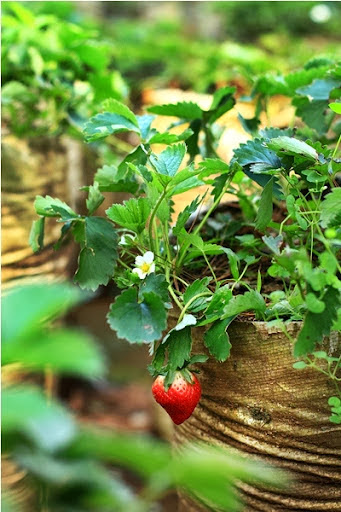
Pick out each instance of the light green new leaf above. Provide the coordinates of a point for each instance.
(317, 325)
(336, 107)
(132, 214)
(36, 239)
(53, 207)
(98, 256)
(217, 340)
(169, 161)
(293, 146)
(179, 347)
(136, 321)
(184, 110)
(95, 198)
(116, 107)
(37, 304)
(63, 351)
(170, 138)
(331, 209)
(112, 179)
(107, 123)
(314, 304)
(264, 214)
(251, 300)
(26, 411)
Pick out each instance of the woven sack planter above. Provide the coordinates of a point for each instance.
(258, 405)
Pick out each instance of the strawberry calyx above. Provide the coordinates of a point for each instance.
(185, 370)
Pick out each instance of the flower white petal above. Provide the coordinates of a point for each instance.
(139, 260)
(139, 272)
(148, 257)
(151, 268)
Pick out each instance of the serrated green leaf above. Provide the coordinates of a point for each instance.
(112, 179)
(319, 89)
(53, 207)
(264, 214)
(184, 110)
(317, 325)
(138, 321)
(116, 107)
(222, 102)
(132, 214)
(107, 123)
(312, 113)
(331, 209)
(216, 306)
(293, 147)
(98, 255)
(217, 340)
(314, 304)
(157, 284)
(179, 347)
(168, 162)
(95, 198)
(36, 238)
(197, 287)
(170, 138)
(273, 242)
(251, 300)
(184, 216)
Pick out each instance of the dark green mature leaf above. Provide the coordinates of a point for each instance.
(184, 110)
(331, 209)
(95, 198)
(26, 411)
(52, 207)
(170, 138)
(293, 147)
(36, 239)
(107, 123)
(98, 256)
(112, 179)
(179, 347)
(312, 113)
(223, 101)
(216, 306)
(157, 284)
(63, 351)
(251, 300)
(317, 325)
(37, 303)
(264, 214)
(138, 322)
(197, 287)
(132, 214)
(319, 89)
(169, 161)
(217, 340)
(185, 215)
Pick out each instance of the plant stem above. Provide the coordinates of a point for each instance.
(194, 298)
(151, 220)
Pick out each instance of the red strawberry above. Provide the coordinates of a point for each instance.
(181, 398)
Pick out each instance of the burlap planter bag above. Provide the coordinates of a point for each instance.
(257, 404)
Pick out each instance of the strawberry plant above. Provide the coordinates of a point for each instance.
(273, 251)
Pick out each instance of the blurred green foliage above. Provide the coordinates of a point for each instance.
(76, 469)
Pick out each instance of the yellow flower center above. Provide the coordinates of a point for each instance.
(145, 267)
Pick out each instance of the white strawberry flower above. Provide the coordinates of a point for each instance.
(144, 265)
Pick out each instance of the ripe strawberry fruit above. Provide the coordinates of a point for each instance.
(180, 399)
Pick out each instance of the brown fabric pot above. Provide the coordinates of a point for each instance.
(257, 404)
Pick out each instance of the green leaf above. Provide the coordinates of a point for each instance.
(95, 198)
(216, 306)
(273, 242)
(217, 340)
(38, 304)
(314, 304)
(98, 256)
(107, 123)
(170, 138)
(132, 214)
(138, 322)
(317, 325)
(223, 101)
(264, 214)
(179, 347)
(240, 303)
(36, 239)
(26, 411)
(63, 351)
(145, 123)
(319, 89)
(184, 110)
(116, 107)
(331, 209)
(157, 284)
(52, 207)
(336, 107)
(198, 286)
(37, 62)
(111, 179)
(299, 365)
(293, 147)
(185, 215)
(169, 161)
(312, 113)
